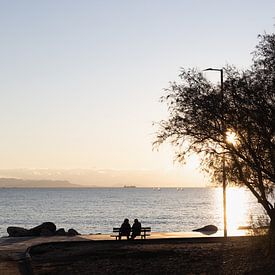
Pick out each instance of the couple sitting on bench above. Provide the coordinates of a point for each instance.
(125, 229)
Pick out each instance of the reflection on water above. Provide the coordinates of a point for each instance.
(241, 206)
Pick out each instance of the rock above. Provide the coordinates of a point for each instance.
(44, 229)
(45, 232)
(72, 232)
(18, 232)
(208, 228)
(47, 228)
(60, 232)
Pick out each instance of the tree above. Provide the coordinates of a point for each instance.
(203, 120)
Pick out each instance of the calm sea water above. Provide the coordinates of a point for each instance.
(98, 210)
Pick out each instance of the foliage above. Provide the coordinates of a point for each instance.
(201, 115)
(258, 226)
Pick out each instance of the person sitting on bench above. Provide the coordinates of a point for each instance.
(136, 229)
(125, 229)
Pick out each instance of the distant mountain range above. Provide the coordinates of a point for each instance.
(100, 178)
(20, 183)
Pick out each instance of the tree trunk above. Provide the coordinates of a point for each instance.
(272, 230)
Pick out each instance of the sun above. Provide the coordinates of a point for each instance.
(231, 137)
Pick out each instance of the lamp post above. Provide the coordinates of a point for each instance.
(223, 156)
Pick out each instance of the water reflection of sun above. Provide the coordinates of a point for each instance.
(237, 210)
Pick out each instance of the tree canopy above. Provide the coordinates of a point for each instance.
(237, 122)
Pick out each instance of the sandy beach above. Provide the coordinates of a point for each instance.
(96, 255)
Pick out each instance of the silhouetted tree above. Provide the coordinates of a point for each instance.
(201, 118)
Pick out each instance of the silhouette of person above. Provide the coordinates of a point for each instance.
(125, 229)
(136, 229)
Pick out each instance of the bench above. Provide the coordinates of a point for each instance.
(145, 232)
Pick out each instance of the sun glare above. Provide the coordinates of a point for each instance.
(231, 137)
(237, 213)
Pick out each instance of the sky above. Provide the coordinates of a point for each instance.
(81, 80)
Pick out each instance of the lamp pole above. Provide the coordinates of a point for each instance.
(223, 155)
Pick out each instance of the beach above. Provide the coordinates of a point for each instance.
(95, 255)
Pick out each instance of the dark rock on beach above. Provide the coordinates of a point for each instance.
(14, 231)
(207, 228)
(72, 232)
(60, 232)
(46, 232)
(44, 229)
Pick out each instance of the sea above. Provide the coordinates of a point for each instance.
(98, 210)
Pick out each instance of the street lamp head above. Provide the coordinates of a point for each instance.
(212, 69)
(208, 69)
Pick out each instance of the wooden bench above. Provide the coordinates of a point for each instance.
(145, 232)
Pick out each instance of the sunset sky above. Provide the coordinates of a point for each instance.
(81, 80)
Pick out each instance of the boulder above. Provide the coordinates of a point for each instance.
(208, 228)
(60, 232)
(44, 229)
(14, 231)
(45, 232)
(72, 232)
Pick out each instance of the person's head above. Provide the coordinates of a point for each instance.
(126, 221)
(135, 220)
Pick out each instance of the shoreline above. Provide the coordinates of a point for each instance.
(153, 235)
